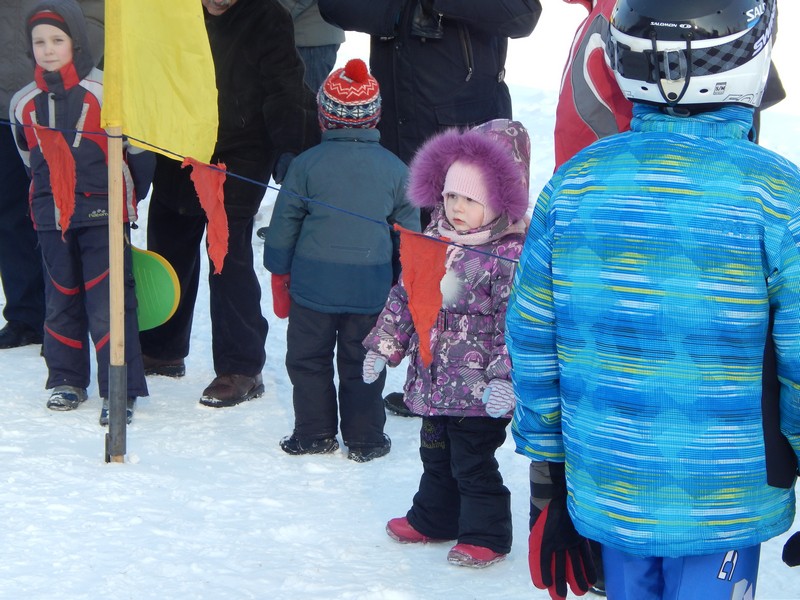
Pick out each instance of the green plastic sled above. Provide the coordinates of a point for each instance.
(157, 288)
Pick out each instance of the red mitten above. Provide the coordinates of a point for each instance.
(280, 295)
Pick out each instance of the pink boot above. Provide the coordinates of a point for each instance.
(478, 557)
(400, 529)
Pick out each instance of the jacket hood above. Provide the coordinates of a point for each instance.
(504, 173)
(72, 14)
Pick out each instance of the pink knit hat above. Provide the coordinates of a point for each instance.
(466, 179)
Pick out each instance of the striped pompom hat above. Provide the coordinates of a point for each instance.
(350, 97)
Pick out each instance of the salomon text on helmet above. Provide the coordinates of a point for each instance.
(683, 52)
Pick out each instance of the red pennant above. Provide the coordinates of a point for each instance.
(422, 259)
(208, 184)
(59, 159)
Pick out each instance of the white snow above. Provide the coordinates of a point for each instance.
(206, 505)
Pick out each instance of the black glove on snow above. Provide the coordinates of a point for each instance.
(558, 555)
(791, 551)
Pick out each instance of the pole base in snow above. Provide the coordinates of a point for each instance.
(117, 413)
(109, 457)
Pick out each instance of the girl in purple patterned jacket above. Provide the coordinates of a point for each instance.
(476, 183)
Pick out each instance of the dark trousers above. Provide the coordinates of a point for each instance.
(20, 257)
(311, 339)
(461, 493)
(318, 61)
(238, 329)
(77, 305)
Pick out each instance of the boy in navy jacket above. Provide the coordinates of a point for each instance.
(340, 263)
(66, 96)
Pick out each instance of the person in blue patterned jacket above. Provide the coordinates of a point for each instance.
(657, 263)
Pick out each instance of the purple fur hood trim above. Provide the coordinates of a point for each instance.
(507, 190)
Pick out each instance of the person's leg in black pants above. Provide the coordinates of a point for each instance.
(360, 404)
(238, 328)
(461, 493)
(310, 341)
(177, 238)
(436, 507)
(20, 256)
(485, 518)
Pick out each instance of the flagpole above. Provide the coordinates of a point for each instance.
(118, 374)
(117, 371)
(150, 53)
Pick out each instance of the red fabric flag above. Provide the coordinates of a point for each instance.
(62, 172)
(422, 259)
(208, 184)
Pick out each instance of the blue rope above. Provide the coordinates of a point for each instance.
(270, 187)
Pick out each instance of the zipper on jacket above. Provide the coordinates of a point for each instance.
(51, 110)
(466, 49)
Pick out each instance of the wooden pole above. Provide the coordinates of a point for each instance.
(117, 381)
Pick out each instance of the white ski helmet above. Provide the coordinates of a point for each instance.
(684, 52)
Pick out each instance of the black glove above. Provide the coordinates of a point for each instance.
(427, 6)
(791, 551)
(426, 22)
(281, 166)
(558, 555)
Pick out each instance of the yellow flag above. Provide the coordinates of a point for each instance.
(159, 83)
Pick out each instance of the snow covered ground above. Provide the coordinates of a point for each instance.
(207, 506)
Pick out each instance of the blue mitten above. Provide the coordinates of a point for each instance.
(374, 363)
(499, 398)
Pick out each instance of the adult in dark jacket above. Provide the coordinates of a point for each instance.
(440, 63)
(266, 116)
(20, 258)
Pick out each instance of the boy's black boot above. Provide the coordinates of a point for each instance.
(294, 446)
(363, 454)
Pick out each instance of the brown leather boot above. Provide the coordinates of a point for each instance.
(163, 366)
(230, 390)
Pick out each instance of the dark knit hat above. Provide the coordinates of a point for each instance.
(349, 97)
(48, 17)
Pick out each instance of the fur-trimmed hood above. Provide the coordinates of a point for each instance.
(505, 177)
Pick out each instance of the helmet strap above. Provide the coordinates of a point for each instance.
(656, 66)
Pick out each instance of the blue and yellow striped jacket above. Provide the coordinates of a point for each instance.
(637, 329)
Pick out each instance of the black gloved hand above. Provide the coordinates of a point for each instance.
(281, 166)
(558, 555)
(426, 23)
(791, 551)
(427, 6)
